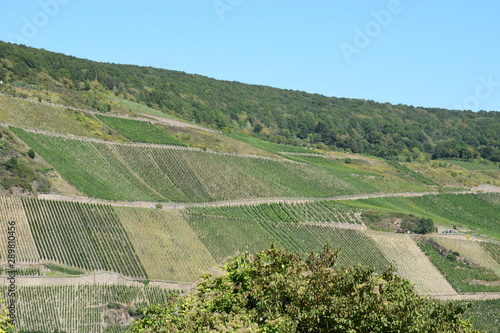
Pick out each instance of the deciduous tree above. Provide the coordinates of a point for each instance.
(277, 291)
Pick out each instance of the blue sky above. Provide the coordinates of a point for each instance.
(429, 53)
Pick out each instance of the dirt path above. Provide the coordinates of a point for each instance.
(101, 278)
(467, 297)
(145, 145)
(352, 226)
(68, 198)
(106, 278)
(144, 204)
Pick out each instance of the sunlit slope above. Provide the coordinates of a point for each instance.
(317, 212)
(378, 175)
(477, 212)
(254, 228)
(167, 246)
(411, 263)
(472, 250)
(153, 173)
(85, 236)
(12, 214)
(79, 309)
(53, 118)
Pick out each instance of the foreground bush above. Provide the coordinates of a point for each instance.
(277, 291)
(5, 322)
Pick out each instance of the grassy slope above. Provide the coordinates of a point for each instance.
(372, 179)
(462, 174)
(472, 250)
(123, 172)
(475, 166)
(46, 117)
(270, 146)
(141, 131)
(473, 211)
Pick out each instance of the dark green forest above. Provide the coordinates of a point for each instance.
(277, 115)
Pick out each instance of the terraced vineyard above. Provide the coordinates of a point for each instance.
(81, 309)
(464, 277)
(371, 180)
(194, 171)
(224, 236)
(474, 251)
(307, 212)
(485, 315)
(166, 245)
(478, 212)
(84, 236)
(141, 131)
(411, 263)
(493, 249)
(133, 172)
(11, 209)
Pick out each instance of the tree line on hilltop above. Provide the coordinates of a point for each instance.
(277, 115)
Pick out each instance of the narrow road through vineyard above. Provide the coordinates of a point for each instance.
(141, 204)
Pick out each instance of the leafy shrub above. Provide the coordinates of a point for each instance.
(277, 291)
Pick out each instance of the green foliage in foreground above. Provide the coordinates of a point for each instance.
(5, 321)
(277, 291)
(141, 131)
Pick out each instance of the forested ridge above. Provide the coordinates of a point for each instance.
(273, 114)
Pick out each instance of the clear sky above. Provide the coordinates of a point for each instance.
(433, 53)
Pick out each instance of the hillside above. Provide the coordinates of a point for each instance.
(119, 200)
(282, 116)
